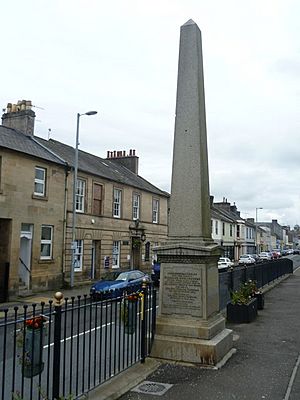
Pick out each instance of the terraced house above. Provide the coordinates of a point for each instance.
(120, 216)
(236, 235)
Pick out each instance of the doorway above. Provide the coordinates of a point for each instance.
(25, 255)
(136, 253)
(5, 235)
(95, 259)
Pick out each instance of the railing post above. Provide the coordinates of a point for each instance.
(56, 348)
(153, 306)
(143, 320)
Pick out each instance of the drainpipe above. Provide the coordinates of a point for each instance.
(63, 261)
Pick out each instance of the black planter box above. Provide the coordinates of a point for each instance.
(241, 313)
(260, 300)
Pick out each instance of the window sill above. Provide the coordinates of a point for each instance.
(46, 261)
(43, 198)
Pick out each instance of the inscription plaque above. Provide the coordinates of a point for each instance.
(182, 289)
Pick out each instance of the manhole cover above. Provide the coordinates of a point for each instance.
(154, 388)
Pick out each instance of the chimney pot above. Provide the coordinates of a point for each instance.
(19, 117)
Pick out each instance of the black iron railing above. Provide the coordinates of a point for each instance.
(263, 273)
(54, 350)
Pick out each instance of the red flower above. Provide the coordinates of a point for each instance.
(35, 323)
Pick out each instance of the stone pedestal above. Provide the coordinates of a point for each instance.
(189, 327)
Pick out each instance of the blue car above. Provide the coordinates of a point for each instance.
(115, 283)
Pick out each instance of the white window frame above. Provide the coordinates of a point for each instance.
(136, 200)
(155, 211)
(39, 181)
(47, 242)
(80, 195)
(117, 203)
(78, 259)
(116, 252)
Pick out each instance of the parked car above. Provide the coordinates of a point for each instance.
(224, 263)
(276, 254)
(115, 283)
(256, 258)
(265, 256)
(296, 251)
(155, 274)
(246, 259)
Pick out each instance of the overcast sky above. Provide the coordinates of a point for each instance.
(120, 58)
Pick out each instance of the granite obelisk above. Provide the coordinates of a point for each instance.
(189, 326)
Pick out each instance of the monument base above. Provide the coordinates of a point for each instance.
(190, 327)
(192, 350)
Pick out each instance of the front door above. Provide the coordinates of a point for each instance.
(25, 255)
(5, 235)
(96, 259)
(136, 253)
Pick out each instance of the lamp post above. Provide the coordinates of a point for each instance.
(74, 197)
(257, 208)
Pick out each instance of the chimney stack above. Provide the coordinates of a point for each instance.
(20, 117)
(130, 161)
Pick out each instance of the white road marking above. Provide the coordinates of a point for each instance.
(80, 334)
(291, 382)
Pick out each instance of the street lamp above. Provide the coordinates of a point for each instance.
(257, 208)
(257, 247)
(74, 196)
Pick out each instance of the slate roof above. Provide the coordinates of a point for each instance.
(228, 216)
(60, 153)
(15, 140)
(104, 168)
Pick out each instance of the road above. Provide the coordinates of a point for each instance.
(95, 345)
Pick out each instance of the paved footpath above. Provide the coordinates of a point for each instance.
(37, 298)
(265, 366)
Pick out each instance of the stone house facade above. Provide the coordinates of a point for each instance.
(120, 217)
(236, 235)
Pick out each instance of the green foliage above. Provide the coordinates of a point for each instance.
(245, 293)
(17, 396)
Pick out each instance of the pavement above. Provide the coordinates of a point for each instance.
(37, 298)
(266, 364)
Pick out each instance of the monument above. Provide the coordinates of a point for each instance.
(189, 326)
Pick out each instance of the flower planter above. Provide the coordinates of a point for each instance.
(29, 341)
(130, 309)
(260, 300)
(241, 313)
(33, 351)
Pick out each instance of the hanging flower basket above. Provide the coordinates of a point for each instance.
(30, 340)
(129, 312)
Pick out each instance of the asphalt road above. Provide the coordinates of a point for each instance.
(94, 347)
